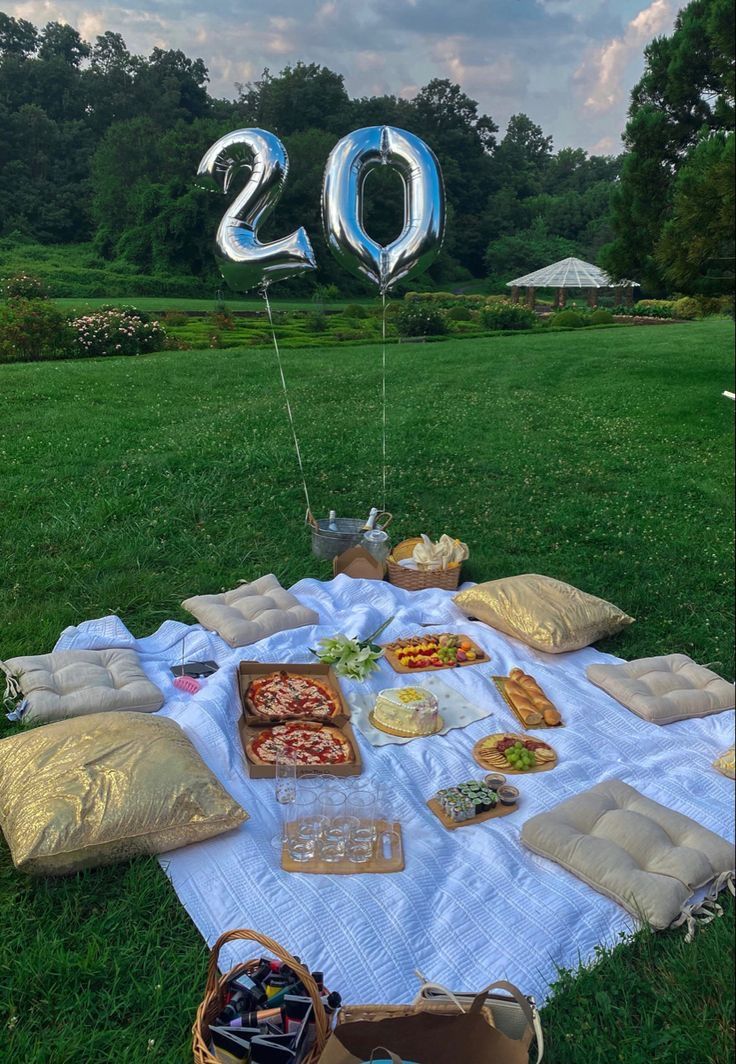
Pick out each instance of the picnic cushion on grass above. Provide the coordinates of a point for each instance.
(72, 683)
(646, 857)
(250, 612)
(103, 788)
(664, 689)
(544, 613)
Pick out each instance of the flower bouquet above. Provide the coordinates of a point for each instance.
(352, 658)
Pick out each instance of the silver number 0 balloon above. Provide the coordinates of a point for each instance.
(420, 240)
(243, 260)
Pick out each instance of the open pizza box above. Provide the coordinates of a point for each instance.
(249, 670)
(262, 772)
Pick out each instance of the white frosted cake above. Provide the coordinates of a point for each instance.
(408, 711)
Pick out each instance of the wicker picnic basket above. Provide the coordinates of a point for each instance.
(214, 995)
(419, 579)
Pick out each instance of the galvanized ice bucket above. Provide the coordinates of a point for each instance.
(332, 536)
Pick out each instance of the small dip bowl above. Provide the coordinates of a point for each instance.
(494, 780)
(507, 795)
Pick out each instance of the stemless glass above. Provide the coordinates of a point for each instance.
(362, 831)
(335, 825)
(302, 828)
(363, 815)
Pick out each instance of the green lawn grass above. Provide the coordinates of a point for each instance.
(601, 457)
(161, 304)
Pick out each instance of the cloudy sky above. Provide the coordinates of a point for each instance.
(569, 64)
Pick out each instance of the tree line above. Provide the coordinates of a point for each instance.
(99, 146)
(102, 145)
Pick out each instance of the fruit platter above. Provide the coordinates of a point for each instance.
(428, 652)
(509, 752)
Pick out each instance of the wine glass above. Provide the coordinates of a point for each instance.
(285, 791)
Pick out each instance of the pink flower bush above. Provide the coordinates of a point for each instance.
(117, 331)
(22, 286)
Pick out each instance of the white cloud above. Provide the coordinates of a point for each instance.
(604, 70)
(604, 146)
(510, 55)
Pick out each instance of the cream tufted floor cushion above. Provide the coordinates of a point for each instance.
(646, 857)
(665, 689)
(250, 612)
(73, 683)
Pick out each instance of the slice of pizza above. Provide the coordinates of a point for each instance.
(291, 696)
(300, 744)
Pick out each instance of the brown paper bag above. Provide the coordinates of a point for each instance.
(426, 1038)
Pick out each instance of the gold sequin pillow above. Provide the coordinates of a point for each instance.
(546, 614)
(102, 788)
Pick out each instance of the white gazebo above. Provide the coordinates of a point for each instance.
(569, 273)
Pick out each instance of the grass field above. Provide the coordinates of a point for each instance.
(157, 304)
(602, 458)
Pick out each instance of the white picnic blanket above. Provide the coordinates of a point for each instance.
(472, 905)
(457, 709)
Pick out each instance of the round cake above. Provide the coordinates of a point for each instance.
(407, 711)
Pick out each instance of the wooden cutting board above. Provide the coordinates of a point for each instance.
(500, 682)
(481, 657)
(378, 863)
(493, 814)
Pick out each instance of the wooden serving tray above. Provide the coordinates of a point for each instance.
(494, 814)
(390, 656)
(506, 768)
(378, 863)
(500, 682)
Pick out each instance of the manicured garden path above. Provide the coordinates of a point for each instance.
(602, 457)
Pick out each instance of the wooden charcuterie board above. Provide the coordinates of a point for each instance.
(480, 656)
(498, 763)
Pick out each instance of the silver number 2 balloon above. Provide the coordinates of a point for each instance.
(420, 240)
(243, 260)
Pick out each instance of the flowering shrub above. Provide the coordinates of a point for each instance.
(31, 330)
(117, 331)
(503, 314)
(23, 286)
(420, 319)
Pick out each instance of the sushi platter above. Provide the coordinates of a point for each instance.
(473, 802)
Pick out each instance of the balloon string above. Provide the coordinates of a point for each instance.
(286, 397)
(383, 396)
